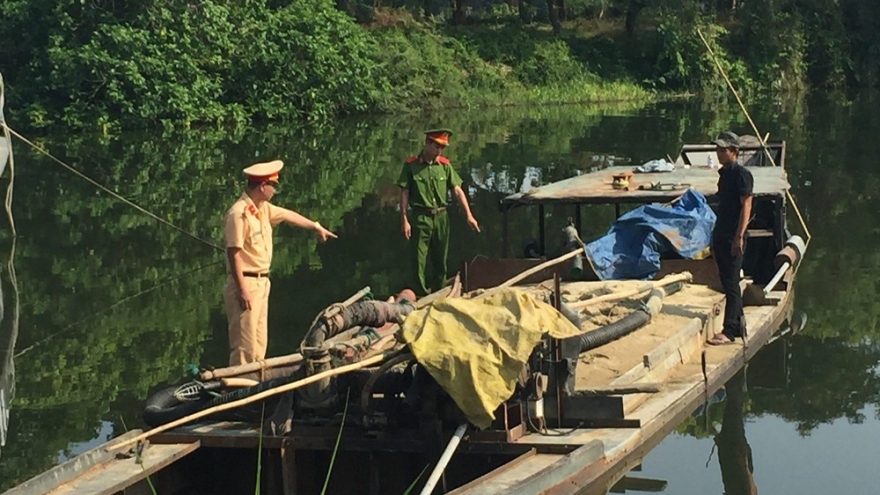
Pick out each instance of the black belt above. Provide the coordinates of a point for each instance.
(429, 211)
(255, 274)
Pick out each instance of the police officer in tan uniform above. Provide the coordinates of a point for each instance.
(248, 235)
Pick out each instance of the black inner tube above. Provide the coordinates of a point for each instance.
(163, 407)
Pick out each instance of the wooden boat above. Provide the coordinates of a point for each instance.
(561, 433)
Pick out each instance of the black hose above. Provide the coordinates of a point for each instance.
(364, 313)
(573, 346)
(612, 331)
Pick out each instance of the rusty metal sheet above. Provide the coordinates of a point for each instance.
(596, 187)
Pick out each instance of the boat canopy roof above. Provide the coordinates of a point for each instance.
(596, 187)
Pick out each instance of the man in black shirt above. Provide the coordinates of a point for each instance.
(735, 184)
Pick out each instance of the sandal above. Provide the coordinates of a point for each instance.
(721, 339)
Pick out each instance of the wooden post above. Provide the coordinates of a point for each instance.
(505, 233)
(557, 351)
(541, 239)
(288, 467)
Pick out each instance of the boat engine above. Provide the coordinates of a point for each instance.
(322, 396)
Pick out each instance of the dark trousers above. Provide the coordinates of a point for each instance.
(729, 267)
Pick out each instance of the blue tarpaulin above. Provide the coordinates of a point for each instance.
(631, 249)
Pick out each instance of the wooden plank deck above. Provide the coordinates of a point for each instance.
(99, 472)
(623, 449)
(118, 474)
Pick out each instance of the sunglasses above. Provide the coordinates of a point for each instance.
(272, 183)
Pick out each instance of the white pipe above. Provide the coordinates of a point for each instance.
(775, 280)
(444, 460)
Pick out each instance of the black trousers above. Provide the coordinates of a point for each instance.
(729, 267)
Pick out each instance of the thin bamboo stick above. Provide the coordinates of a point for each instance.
(757, 133)
(644, 289)
(255, 398)
(531, 271)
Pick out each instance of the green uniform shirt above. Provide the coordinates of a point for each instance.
(428, 183)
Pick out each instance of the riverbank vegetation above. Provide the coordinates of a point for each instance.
(84, 63)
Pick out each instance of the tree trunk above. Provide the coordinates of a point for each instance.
(523, 11)
(554, 16)
(560, 9)
(632, 14)
(457, 11)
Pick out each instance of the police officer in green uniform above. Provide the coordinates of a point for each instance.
(425, 182)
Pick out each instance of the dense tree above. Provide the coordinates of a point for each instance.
(140, 63)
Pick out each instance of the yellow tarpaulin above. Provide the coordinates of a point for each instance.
(476, 349)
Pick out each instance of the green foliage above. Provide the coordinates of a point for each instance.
(550, 64)
(177, 64)
(206, 62)
(120, 64)
(683, 60)
(423, 69)
(773, 41)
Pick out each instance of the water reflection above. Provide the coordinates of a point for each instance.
(100, 338)
(734, 452)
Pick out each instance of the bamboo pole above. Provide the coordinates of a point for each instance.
(645, 289)
(757, 133)
(238, 382)
(274, 362)
(532, 271)
(255, 398)
(280, 360)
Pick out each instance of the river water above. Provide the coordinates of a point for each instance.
(103, 303)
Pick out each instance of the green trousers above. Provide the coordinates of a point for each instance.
(430, 244)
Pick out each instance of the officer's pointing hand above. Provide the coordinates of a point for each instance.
(324, 234)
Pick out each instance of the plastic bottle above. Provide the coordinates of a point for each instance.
(711, 162)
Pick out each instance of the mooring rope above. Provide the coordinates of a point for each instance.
(114, 305)
(108, 190)
(757, 134)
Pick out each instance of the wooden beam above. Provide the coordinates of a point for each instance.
(69, 469)
(639, 388)
(117, 474)
(288, 468)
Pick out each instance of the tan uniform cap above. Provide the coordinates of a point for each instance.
(260, 172)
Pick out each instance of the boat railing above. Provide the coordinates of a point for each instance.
(752, 154)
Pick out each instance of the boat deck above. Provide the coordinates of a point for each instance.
(596, 187)
(685, 388)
